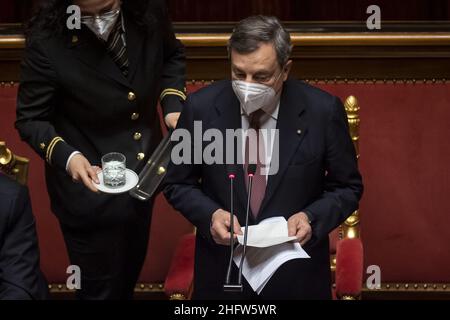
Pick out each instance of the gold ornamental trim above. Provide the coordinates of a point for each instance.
(432, 81)
(332, 39)
(12, 42)
(177, 296)
(299, 39)
(411, 287)
(140, 287)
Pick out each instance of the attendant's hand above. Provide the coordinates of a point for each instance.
(298, 225)
(220, 227)
(171, 119)
(80, 169)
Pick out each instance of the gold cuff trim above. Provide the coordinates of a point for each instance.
(50, 148)
(173, 92)
(182, 96)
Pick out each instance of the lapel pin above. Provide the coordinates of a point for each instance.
(74, 39)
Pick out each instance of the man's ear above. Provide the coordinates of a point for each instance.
(287, 70)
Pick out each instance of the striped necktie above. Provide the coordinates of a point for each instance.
(117, 49)
(259, 180)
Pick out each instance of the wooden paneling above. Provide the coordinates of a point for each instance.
(316, 55)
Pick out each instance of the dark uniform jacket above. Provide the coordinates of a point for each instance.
(20, 274)
(73, 97)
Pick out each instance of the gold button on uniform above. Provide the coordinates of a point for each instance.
(137, 136)
(74, 39)
(42, 146)
(131, 96)
(161, 170)
(134, 116)
(140, 156)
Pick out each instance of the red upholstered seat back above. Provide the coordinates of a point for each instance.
(54, 259)
(404, 161)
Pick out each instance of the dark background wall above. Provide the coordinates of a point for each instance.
(293, 10)
(307, 10)
(13, 11)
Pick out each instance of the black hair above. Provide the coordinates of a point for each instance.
(249, 33)
(51, 16)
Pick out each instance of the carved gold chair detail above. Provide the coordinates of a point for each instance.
(13, 165)
(346, 249)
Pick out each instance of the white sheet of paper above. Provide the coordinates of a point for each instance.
(261, 263)
(269, 232)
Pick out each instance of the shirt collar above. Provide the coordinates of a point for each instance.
(271, 111)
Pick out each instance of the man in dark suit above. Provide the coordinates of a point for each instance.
(317, 185)
(88, 92)
(20, 274)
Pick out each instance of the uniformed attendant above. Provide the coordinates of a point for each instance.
(87, 92)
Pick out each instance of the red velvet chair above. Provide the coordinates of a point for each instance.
(179, 279)
(346, 249)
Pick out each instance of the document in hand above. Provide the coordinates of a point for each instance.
(269, 232)
(269, 246)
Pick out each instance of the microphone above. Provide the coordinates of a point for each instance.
(251, 169)
(231, 173)
(228, 287)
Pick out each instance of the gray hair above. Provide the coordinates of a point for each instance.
(249, 33)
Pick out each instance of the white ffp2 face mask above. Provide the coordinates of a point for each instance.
(254, 96)
(103, 24)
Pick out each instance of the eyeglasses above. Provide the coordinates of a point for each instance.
(102, 16)
(263, 79)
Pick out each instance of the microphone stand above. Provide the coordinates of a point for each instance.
(227, 286)
(251, 172)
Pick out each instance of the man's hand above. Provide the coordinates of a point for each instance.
(171, 119)
(220, 227)
(298, 225)
(80, 169)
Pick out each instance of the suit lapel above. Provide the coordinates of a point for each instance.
(228, 116)
(92, 52)
(292, 128)
(135, 39)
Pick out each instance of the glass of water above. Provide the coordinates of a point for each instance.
(114, 167)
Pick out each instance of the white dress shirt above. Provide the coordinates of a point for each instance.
(269, 123)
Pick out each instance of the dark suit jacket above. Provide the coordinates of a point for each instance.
(317, 174)
(71, 89)
(20, 275)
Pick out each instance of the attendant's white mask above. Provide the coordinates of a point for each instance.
(102, 24)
